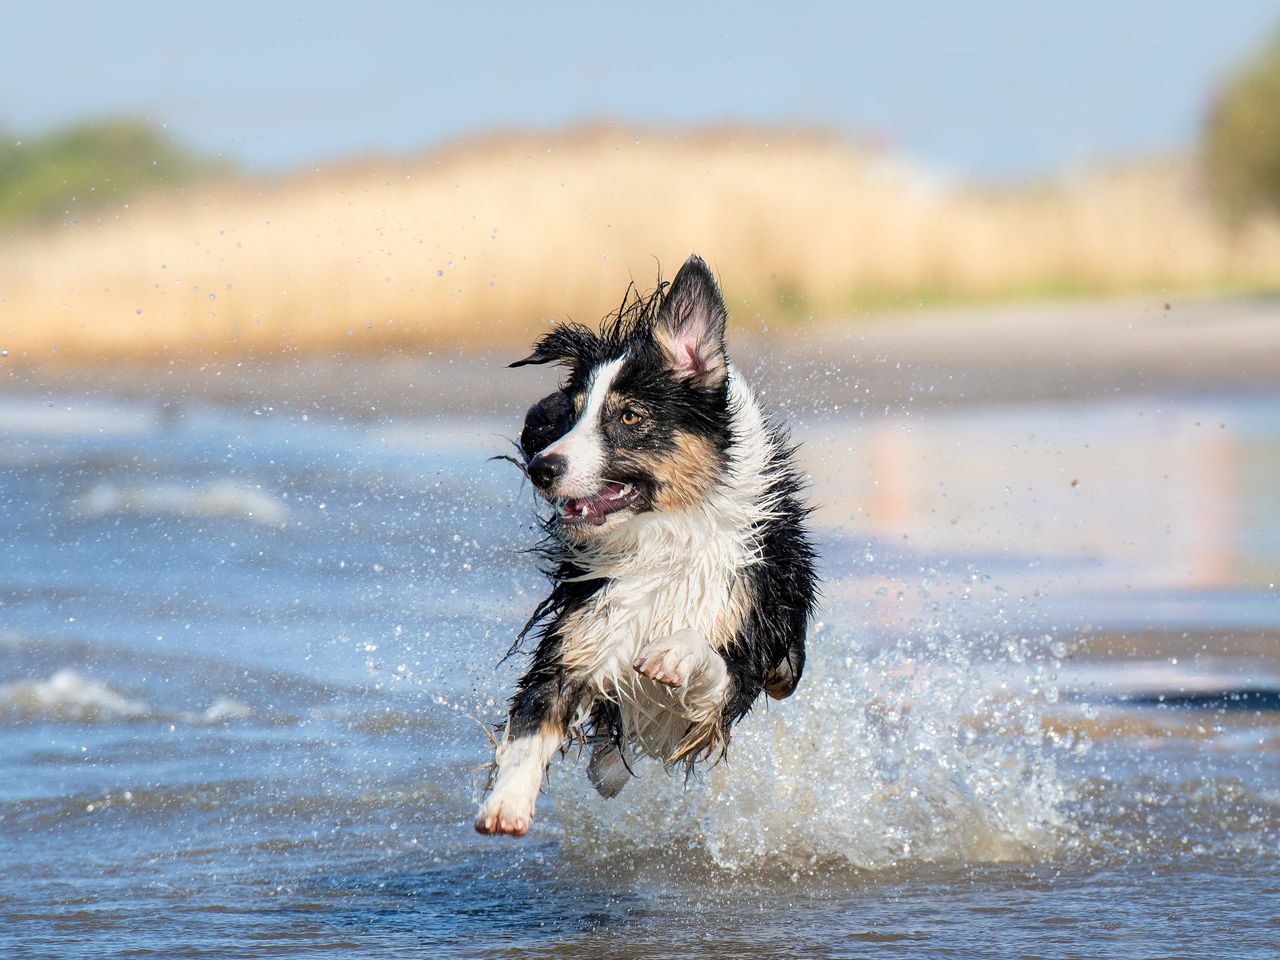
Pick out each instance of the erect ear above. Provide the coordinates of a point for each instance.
(690, 326)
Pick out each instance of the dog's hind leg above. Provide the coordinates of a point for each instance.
(607, 771)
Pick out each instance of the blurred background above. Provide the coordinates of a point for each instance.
(282, 178)
(1010, 272)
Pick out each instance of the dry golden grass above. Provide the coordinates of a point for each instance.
(482, 243)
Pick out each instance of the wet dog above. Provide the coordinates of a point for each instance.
(683, 576)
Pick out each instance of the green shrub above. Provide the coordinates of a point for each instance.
(1241, 146)
(64, 174)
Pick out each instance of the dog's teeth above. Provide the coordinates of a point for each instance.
(626, 489)
(582, 510)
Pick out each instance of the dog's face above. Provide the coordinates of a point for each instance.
(641, 422)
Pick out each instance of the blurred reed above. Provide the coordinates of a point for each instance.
(482, 242)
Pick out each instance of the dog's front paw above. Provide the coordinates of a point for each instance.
(660, 665)
(668, 661)
(501, 815)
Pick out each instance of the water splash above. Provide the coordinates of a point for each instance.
(878, 761)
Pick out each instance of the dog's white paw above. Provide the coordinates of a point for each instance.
(521, 763)
(660, 665)
(507, 815)
(670, 660)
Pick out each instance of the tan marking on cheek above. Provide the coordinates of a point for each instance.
(732, 615)
(686, 474)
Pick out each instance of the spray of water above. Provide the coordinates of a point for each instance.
(879, 760)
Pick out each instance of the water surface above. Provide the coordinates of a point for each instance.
(247, 654)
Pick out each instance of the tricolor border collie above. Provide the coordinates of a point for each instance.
(683, 577)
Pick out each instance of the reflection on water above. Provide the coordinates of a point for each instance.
(241, 652)
(1146, 511)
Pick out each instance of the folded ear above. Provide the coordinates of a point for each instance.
(690, 326)
(533, 358)
(567, 343)
(546, 350)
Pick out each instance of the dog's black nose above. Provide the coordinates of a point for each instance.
(546, 468)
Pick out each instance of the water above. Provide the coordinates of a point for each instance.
(246, 651)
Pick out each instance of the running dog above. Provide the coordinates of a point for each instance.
(682, 573)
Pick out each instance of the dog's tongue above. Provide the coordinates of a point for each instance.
(587, 510)
(595, 508)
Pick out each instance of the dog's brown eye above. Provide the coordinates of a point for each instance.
(630, 418)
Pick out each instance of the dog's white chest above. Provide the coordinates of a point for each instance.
(669, 595)
(628, 615)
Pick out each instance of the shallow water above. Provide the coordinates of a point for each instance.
(245, 654)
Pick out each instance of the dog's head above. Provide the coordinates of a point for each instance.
(641, 422)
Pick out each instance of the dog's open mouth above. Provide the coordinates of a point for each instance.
(610, 498)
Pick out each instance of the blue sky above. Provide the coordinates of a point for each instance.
(973, 88)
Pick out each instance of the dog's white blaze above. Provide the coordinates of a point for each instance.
(581, 446)
(521, 763)
(671, 577)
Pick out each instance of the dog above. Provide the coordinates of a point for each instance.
(683, 577)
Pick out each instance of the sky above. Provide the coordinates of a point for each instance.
(986, 90)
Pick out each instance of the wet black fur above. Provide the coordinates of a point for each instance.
(769, 649)
(768, 652)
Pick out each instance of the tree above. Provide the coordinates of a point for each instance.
(1241, 140)
(67, 172)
